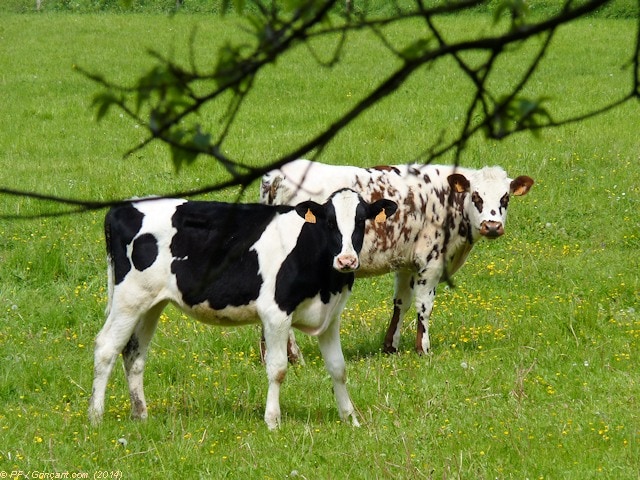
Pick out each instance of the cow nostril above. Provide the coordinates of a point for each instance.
(491, 229)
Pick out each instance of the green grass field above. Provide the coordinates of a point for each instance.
(534, 370)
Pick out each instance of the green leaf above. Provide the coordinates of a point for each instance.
(518, 10)
(187, 144)
(201, 140)
(103, 102)
(228, 67)
(180, 156)
(519, 114)
(416, 49)
(143, 95)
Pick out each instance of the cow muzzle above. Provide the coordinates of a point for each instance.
(346, 263)
(491, 229)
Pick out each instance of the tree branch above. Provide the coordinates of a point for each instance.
(166, 95)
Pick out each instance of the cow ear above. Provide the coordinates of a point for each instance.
(310, 211)
(382, 209)
(521, 185)
(458, 183)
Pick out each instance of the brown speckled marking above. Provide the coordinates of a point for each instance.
(419, 335)
(442, 212)
(281, 376)
(385, 168)
(387, 346)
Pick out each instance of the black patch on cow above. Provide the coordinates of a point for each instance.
(211, 249)
(307, 271)
(504, 202)
(357, 236)
(434, 253)
(477, 201)
(132, 349)
(144, 251)
(121, 225)
(463, 230)
(456, 200)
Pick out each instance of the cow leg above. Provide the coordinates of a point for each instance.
(134, 356)
(110, 342)
(275, 336)
(331, 350)
(294, 354)
(425, 295)
(402, 298)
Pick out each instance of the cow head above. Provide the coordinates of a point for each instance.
(487, 197)
(344, 215)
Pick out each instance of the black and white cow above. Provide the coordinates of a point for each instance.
(231, 264)
(442, 212)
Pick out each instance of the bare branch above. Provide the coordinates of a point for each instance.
(165, 99)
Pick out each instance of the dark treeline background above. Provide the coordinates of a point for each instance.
(615, 9)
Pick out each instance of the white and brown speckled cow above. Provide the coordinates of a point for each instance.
(231, 264)
(442, 212)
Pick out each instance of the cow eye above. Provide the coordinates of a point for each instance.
(504, 201)
(477, 201)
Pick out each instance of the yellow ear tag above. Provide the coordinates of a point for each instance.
(459, 188)
(309, 216)
(381, 217)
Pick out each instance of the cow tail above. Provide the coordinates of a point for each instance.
(110, 266)
(270, 184)
(275, 185)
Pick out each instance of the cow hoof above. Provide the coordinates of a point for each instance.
(272, 421)
(389, 349)
(95, 418)
(139, 417)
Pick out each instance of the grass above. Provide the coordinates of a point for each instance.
(534, 366)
